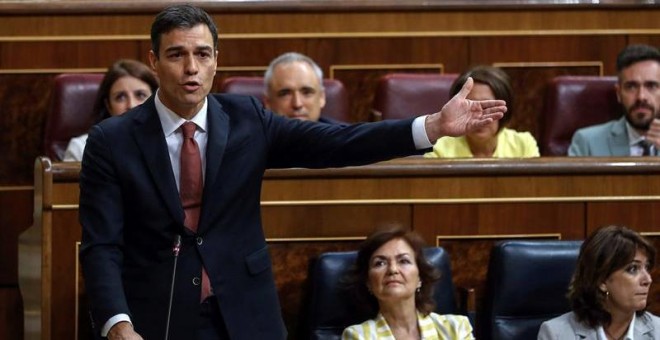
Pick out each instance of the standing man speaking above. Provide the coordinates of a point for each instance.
(187, 164)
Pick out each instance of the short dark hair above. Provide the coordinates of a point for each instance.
(121, 68)
(498, 81)
(358, 277)
(632, 54)
(180, 16)
(605, 251)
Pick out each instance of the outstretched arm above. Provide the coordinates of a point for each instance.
(461, 115)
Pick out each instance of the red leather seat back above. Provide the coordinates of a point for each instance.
(571, 103)
(336, 103)
(250, 86)
(71, 111)
(406, 95)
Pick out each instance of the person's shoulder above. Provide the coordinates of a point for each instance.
(328, 120)
(236, 105)
(648, 317)
(450, 317)
(597, 129)
(451, 320)
(232, 98)
(522, 136)
(357, 331)
(560, 322)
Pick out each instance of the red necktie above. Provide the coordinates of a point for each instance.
(191, 185)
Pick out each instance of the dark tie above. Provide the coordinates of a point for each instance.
(646, 147)
(191, 184)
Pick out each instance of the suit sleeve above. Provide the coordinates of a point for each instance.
(295, 143)
(101, 212)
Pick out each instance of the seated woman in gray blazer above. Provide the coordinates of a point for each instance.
(609, 290)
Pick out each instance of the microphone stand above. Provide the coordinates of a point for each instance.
(175, 249)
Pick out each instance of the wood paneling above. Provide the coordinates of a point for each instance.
(377, 19)
(16, 207)
(23, 76)
(69, 54)
(71, 35)
(21, 123)
(323, 221)
(640, 215)
(463, 205)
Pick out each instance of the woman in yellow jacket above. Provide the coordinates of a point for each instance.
(493, 140)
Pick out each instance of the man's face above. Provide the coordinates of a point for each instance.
(638, 91)
(186, 66)
(295, 91)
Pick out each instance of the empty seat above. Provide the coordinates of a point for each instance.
(331, 308)
(406, 95)
(526, 284)
(571, 103)
(70, 112)
(336, 103)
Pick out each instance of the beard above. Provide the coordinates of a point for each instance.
(639, 122)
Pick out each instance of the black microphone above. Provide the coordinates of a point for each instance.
(175, 249)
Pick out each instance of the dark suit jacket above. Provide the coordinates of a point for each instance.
(130, 212)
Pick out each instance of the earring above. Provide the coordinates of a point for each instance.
(607, 294)
(419, 286)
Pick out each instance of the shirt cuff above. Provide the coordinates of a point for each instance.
(420, 137)
(113, 321)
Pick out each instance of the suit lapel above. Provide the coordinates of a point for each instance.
(642, 327)
(217, 136)
(149, 136)
(619, 142)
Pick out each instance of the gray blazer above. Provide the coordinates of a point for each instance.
(607, 139)
(646, 327)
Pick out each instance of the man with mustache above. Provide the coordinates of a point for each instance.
(637, 133)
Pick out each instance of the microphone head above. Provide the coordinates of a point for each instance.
(177, 245)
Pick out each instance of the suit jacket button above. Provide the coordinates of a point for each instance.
(196, 281)
(199, 240)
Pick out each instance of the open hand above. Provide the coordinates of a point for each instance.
(461, 115)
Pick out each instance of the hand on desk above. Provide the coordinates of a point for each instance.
(123, 331)
(461, 116)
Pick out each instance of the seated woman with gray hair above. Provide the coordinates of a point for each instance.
(609, 291)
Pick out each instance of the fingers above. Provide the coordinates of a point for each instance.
(481, 123)
(496, 109)
(491, 103)
(465, 90)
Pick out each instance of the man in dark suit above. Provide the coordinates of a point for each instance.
(132, 188)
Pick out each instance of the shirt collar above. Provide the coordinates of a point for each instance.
(633, 136)
(630, 334)
(170, 121)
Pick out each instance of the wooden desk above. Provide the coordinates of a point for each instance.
(462, 205)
